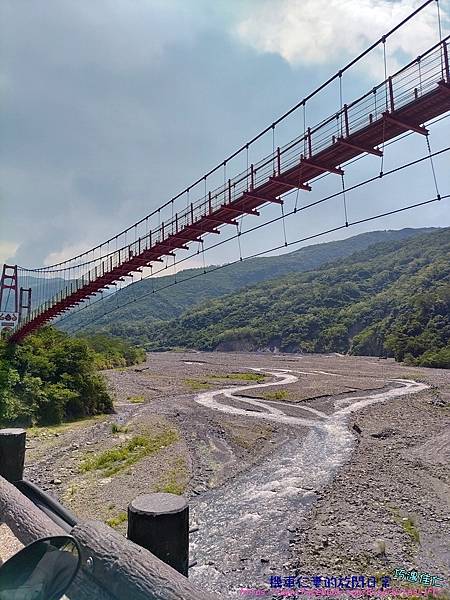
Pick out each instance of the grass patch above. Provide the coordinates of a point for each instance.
(71, 492)
(116, 459)
(175, 479)
(136, 399)
(407, 524)
(258, 377)
(410, 528)
(410, 375)
(116, 428)
(197, 385)
(277, 395)
(117, 520)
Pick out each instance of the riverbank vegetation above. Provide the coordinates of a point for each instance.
(52, 377)
(112, 352)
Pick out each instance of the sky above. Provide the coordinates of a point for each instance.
(110, 108)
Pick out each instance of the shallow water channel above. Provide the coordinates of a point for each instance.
(245, 525)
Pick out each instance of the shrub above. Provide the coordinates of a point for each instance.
(112, 352)
(435, 358)
(49, 378)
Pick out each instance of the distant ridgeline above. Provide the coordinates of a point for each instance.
(388, 298)
(131, 321)
(40, 291)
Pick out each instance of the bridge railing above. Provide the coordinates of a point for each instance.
(410, 82)
(415, 80)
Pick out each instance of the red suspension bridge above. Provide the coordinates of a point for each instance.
(404, 102)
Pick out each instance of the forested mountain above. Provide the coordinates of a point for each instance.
(170, 301)
(393, 298)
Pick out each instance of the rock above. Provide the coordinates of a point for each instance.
(56, 481)
(383, 433)
(379, 547)
(309, 496)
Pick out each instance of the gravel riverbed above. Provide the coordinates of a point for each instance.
(301, 476)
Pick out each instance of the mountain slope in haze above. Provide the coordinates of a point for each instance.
(170, 301)
(41, 290)
(391, 299)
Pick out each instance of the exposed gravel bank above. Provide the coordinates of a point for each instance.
(394, 495)
(398, 469)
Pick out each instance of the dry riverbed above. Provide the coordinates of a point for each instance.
(387, 507)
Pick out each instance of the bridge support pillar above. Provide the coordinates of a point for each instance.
(12, 454)
(160, 523)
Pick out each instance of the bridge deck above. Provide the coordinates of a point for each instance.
(409, 99)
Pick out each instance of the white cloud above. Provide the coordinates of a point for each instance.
(162, 270)
(66, 253)
(314, 32)
(7, 249)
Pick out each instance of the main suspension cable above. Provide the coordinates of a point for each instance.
(298, 241)
(275, 219)
(292, 212)
(312, 94)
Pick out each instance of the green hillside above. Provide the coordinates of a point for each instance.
(392, 298)
(136, 316)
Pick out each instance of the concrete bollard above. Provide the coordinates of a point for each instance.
(160, 523)
(12, 454)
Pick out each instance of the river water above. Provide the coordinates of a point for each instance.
(246, 524)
